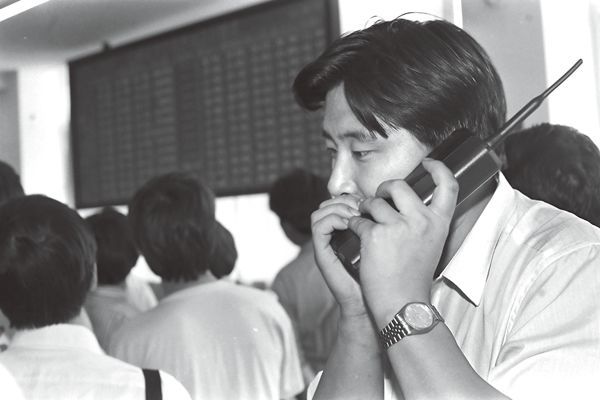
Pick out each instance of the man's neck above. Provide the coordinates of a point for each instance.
(462, 224)
(176, 286)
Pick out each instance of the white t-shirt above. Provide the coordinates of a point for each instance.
(522, 299)
(65, 362)
(108, 306)
(221, 340)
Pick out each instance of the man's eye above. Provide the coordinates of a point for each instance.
(361, 154)
(332, 152)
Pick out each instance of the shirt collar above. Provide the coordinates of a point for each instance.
(468, 270)
(59, 336)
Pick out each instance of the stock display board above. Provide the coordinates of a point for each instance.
(213, 98)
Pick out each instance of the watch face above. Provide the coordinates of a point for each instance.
(418, 316)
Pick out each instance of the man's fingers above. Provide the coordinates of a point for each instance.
(360, 225)
(379, 209)
(405, 200)
(445, 194)
(340, 209)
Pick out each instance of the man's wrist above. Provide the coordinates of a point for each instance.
(384, 309)
(358, 331)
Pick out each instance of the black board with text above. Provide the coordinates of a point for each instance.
(213, 98)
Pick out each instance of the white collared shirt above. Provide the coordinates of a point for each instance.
(522, 299)
(65, 362)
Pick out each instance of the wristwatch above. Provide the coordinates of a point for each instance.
(414, 318)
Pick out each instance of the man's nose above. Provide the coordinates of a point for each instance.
(341, 180)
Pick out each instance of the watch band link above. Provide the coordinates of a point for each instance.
(398, 328)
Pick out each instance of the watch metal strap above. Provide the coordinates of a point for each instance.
(398, 328)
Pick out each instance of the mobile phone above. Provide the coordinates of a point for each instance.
(472, 160)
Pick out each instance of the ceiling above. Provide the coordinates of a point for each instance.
(60, 30)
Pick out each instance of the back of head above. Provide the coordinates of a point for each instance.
(558, 165)
(47, 257)
(117, 253)
(10, 183)
(172, 218)
(429, 78)
(224, 257)
(295, 195)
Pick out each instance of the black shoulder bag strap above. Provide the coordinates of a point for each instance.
(153, 384)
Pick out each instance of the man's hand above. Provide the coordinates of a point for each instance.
(400, 249)
(332, 215)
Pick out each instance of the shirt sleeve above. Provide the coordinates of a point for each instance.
(172, 389)
(552, 347)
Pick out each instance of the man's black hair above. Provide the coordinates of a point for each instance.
(10, 183)
(429, 78)
(117, 253)
(47, 257)
(172, 218)
(558, 165)
(224, 256)
(295, 195)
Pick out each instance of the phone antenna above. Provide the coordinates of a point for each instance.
(530, 107)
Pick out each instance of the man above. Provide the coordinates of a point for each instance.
(558, 165)
(515, 281)
(299, 285)
(47, 258)
(118, 296)
(222, 341)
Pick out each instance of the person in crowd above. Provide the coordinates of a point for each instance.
(47, 262)
(221, 340)
(118, 296)
(299, 285)
(497, 298)
(556, 164)
(10, 187)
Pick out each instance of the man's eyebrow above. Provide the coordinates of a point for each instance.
(357, 135)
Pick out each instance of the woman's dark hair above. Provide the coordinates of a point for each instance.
(117, 253)
(295, 195)
(47, 257)
(429, 78)
(10, 183)
(173, 220)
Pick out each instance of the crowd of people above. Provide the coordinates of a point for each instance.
(496, 299)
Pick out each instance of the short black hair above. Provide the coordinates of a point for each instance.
(172, 218)
(47, 257)
(556, 164)
(429, 78)
(224, 257)
(295, 195)
(10, 183)
(117, 253)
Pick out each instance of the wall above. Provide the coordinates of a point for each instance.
(511, 33)
(568, 36)
(9, 119)
(44, 110)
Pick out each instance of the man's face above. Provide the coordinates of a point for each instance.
(360, 161)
